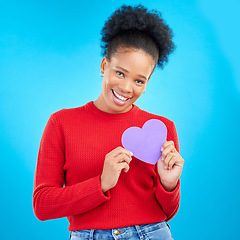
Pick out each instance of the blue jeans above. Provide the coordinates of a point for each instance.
(158, 231)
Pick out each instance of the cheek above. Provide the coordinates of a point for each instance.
(107, 85)
(138, 92)
(110, 81)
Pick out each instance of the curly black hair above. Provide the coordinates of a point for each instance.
(139, 28)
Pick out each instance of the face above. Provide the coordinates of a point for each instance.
(125, 78)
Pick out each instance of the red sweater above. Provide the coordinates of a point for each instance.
(70, 162)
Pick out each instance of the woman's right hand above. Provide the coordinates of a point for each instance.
(115, 161)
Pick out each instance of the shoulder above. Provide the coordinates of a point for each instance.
(68, 119)
(69, 113)
(65, 112)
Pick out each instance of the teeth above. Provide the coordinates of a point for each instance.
(120, 97)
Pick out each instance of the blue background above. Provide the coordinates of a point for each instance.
(49, 60)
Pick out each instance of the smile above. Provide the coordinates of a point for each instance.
(120, 97)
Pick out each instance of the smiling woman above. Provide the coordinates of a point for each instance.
(125, 78)
(79, 170)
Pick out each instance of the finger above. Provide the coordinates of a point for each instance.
(120, 150)
(167, 159)
(174, 159)
(172, 162)
(180, 162)
(122, 157)
(167, 150)
(166, 144)
(124, 166)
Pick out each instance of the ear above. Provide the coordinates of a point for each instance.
(103, 64)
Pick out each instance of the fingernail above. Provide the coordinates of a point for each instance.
(165, 167)
(161, 158)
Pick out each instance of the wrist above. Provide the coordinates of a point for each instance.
(104, 188)
(169, 187)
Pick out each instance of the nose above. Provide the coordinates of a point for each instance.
(126, 86)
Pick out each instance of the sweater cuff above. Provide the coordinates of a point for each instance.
(94, 185)
(167, 193)
(106, 195)
(169, 201)
(90, 195)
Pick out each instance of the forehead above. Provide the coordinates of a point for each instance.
(133, 58)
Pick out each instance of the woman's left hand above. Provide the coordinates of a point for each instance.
(169, 166)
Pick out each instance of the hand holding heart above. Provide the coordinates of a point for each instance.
(148, 144)
(169, 166)
(115, 161)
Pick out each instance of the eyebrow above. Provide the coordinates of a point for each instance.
(125, 70)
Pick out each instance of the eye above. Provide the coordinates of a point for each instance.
(120, 74)
(139, 82)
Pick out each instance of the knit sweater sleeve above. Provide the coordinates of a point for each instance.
(169, 201)
(51, 199)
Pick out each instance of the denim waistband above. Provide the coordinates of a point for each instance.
(119, 233)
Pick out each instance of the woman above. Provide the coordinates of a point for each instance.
(83, 172)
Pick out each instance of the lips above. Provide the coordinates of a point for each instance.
(119, 99)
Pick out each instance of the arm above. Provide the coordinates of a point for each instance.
(169, 168)
(169, 201)
(50, 198)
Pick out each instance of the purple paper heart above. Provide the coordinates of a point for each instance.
(145, 143)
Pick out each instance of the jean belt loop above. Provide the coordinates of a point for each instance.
(91, 234)
(139, 232)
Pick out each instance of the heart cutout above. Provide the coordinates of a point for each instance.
(145, 143)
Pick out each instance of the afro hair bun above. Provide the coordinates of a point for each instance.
(140, 19)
